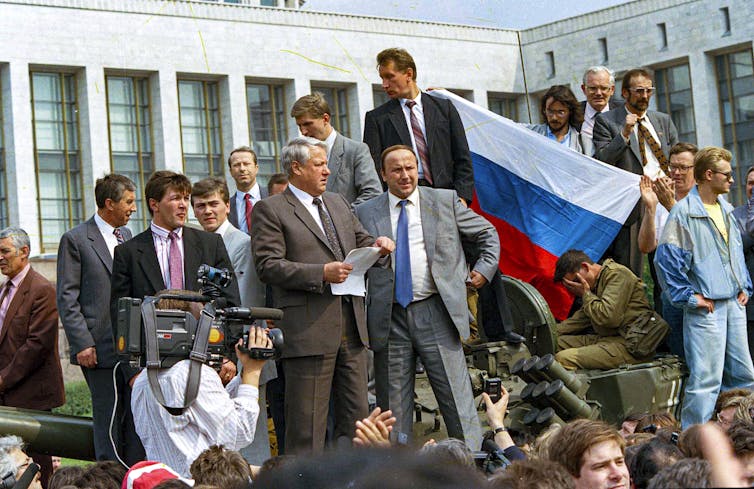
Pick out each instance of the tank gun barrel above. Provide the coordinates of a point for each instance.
(48, 433)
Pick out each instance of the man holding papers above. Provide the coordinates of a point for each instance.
(419, 306)
(299, 240)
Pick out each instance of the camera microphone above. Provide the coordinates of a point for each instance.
(251, 313)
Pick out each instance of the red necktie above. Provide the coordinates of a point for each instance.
(249, 206)
(421, 143)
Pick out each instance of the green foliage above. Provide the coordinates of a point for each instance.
(78, 400)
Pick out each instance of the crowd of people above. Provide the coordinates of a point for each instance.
(402, 198)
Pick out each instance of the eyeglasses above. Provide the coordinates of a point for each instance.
(642, 91)
(727, 174)
(682, 169)
(597, 89)
(559, 113)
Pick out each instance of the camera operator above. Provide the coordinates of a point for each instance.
(218, 416)
(14, 462)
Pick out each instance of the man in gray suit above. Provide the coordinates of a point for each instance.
(243, 167)
(352, 170)
(637, 140)
(211, 202)
(419, 308)
(598, 84)
(300, 239)
(85, 260)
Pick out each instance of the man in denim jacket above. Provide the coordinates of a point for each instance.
(700, 262)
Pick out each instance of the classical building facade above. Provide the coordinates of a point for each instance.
(131, 86)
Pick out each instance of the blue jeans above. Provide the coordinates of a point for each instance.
(674, 317)
(717, 354)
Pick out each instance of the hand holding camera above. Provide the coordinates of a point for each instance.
(258, 338)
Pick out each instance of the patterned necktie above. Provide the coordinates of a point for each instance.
(646, 136)
(3, 296)
(119, 236)
(404, 289)
(249, 206)
(175, 262)
(332, 235)
(421, 143)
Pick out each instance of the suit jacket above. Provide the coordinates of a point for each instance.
(449, 156)
(30, 372)
(445, 223)
(136, 271)
(352, 171)
(290, 251)
(251, 289)
(83, 271)
(233, 216)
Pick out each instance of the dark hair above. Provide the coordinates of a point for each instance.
(687, 472)
(112, 187)
(392, 148)
(276, 179)
(635, 73)
(679, 148)
(243, 149)
(314, 105)
(172, 484)
(652, 457)
(449, 451)
(65, 476)
(402, 61)
(535, 473)
(217, 466)
(102, 475)
(277, 462)
(161, 181)
(570, 262)
(564, 95)
(741, 433)
(209, 186)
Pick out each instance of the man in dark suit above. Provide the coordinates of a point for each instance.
(637, 140)
(243, 166)
(85, 261)
(351, 166)
(598, 84)
(429, 125)
(30, 373)
(299, 240)
(168, 254)
(419, 308)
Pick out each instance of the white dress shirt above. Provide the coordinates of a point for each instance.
(652, 168)
(418, 111)
(587, 128)
(421, 278)
(219, 416)
(330, 141)
(162, 248)
(308, 201)
(107, 233)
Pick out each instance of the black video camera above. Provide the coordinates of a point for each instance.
(176, 332)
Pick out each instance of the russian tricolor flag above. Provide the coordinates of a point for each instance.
(543, 198)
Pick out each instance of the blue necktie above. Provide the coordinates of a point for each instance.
(404, 290)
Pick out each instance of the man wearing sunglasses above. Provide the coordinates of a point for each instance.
(637, 140)
(700, 264)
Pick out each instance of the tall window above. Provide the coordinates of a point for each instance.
(337, 98)
(130, 125)
(267, 126)
(504, 106)
(201, 133)
(735, 84)
(3, 178)
(56, 154)
(674, 98)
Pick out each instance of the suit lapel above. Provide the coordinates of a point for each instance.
(398, 118)
(148, 260)
(191, 256)
(98, 244)
(341, 222)
(18, 299)
(633, 140)
(300, 211)
(429, 215)
(335, 160)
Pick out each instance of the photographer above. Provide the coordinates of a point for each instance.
(218, 416)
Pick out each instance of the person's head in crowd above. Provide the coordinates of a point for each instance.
(277, 183)
(147, 474)
(56, 462)
(749, 182)
(15, 247)
(243, 166)
(560, 109)
(115, 196)
(167, 194)
(723, 397)
(628, 425)
(105, 474)
(650, 423)
(522, 439)
(276, 463)
(741, 434)
(687, 472)
(576, 262)
(638, 438)
(399, 170)
(173, 484)
(688, 442)
(532, 474)
(211, 202)
(65, 476)
(305, 161)
(312, 114)
(398, 73)
(681, 168)
(449, 451)
(14, 461)
(541, 446)
(217, 466)
(728, 409)
(592, 452)
(637, 89)
(712, 170)
(598, 84)
(650, 458)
